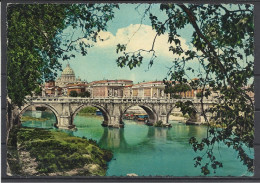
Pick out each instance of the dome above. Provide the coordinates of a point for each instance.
(68, 71)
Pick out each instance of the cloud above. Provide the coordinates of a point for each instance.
(137, 37)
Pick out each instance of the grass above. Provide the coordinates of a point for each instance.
(59, 152)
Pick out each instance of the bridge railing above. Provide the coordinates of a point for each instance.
(109, 100)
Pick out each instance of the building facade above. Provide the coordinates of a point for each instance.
(79, 88)
(152, 89)
(68, 82)
(67, 77)
(64, 84)
(108, 88)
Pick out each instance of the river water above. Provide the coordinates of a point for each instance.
(146, 150)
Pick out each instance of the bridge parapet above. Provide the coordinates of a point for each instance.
(65, 108)
(107, 100)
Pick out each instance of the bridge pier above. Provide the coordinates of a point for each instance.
(116, 122)
(65, 116)
(65, 109)
(163, 118)
(65, 122)
(115, 116)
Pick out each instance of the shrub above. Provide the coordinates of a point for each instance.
(88, 109)
(199, 94)
(158, 124)
(84, 94)
(73, 94)
(176, 96)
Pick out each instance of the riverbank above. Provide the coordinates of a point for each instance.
(30, 118)
(178, 118)
(36, 152)
(89, 114)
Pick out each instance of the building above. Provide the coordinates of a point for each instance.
(64, 84)
(108, 88)
(68, 82)
(152, 89)
(79, 88)
(67, 77)
(50, 89)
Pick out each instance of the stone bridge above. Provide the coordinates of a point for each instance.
(66, 108)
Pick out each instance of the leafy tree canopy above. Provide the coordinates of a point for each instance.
(73, 94)
(36, 40)
(178, 88)
(85, 94)
(222, 44)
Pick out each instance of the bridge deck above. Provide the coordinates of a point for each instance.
(109, 100)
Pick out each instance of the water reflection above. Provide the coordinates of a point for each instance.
(148, 150)
(46, 120)
(113, 138)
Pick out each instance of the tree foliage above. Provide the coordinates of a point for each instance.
(84, 94)
(222, 44)
(88, 109)
(73, 94)
(37, 40)
(177, 88)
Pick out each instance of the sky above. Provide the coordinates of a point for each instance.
(100, 62)
(125, 27)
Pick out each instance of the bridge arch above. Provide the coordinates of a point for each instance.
(38, 105)
(104, 111)
(152, 116)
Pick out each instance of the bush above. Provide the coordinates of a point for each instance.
(176, 96)
(107, 155)
(84, 94)
(199, 94)
(73, 94)
(91, 141)
(158, 124)
(88, 110)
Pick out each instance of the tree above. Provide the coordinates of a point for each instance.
(85, 94)
(222, 44)
(175, 90)
(38, 90)
(199, 94)
(37, 41)
(73, 94)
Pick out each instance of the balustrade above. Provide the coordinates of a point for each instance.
(112, 100)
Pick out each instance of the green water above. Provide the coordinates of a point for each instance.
(146, 151)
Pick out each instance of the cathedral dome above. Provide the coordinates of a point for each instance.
(68, 71)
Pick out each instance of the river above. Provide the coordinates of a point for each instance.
(146, 150)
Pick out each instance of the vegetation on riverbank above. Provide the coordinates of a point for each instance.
(180, 115)
(158, 124)
(36, 151)
(89, 110)
(30, 118)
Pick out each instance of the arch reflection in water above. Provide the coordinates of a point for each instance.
(46, 120)
(122, 140)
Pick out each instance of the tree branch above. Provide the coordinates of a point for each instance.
(192, 19)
